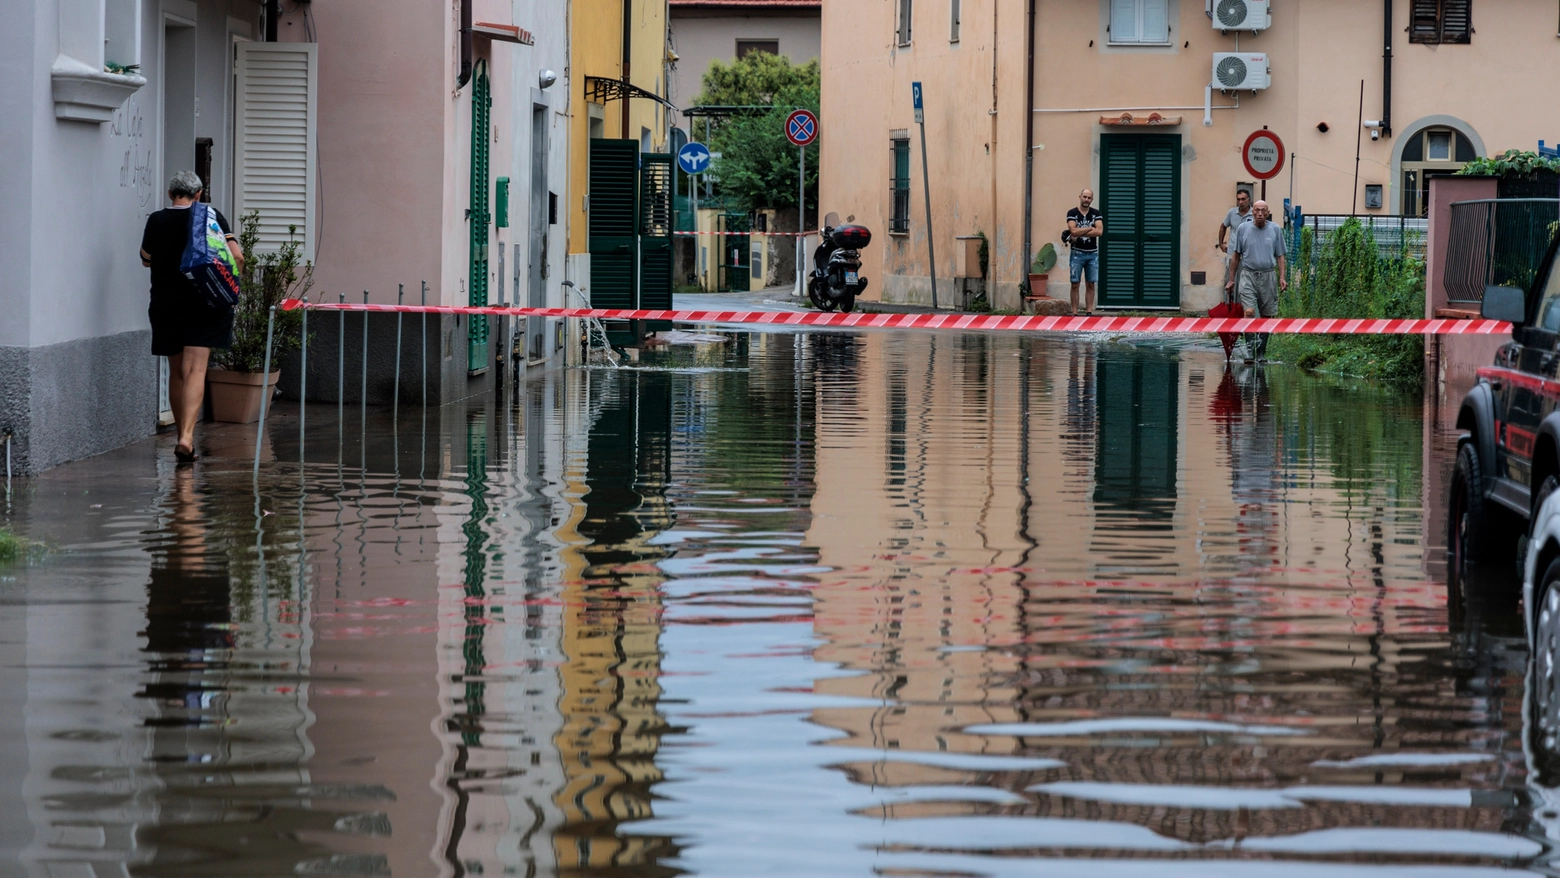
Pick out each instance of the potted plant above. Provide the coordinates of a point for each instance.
(1039, 271)
(234, 382)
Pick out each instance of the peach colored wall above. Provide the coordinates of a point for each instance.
(1319, 51)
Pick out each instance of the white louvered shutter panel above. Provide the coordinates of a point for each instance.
(274, 144)
(1156, 22)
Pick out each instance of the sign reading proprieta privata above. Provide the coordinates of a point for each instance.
(1263, 154)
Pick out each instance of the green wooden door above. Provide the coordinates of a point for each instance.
(1136, 458)
(479, 217)
(613, 230)
(655, 236)
(1140, 196)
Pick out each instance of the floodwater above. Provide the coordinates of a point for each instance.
(879, 604)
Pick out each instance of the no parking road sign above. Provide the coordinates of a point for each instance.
(694, 158)
(801, 128)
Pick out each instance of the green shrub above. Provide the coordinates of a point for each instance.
(12, 547)
(266, 280)
(1348, 277)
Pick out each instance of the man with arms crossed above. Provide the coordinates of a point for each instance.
(1085, 225)
(1257, 270)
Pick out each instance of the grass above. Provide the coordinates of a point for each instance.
(1348, 277)
(12, 547)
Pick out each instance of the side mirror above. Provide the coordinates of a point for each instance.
(1505, 303)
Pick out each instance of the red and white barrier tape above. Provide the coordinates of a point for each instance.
(771, 234)
(973, 322)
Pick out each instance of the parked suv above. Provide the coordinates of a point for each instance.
(1508, 460)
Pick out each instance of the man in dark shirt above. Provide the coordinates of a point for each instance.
(1085, 225)
(185, 327)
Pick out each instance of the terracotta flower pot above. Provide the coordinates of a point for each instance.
(1039, 285)
(235, 396)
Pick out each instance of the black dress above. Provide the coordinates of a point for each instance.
(181, 316)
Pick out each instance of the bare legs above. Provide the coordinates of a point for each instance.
(186, 392)
(1089, 300)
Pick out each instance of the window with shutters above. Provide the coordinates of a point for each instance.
(899, 187)
(1138, 22)
(1441, 21)
(903, 35)
(275, 101)
(953, 23)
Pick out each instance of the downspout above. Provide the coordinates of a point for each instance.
(465, 44)
(628, 48)
(273, 11)
(1029, 141)
(1386, 72)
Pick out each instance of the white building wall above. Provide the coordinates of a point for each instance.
(76, 373)
(700, 39)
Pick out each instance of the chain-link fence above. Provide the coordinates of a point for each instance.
(1497, 242)
(1396, 236)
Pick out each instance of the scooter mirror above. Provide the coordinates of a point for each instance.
(831, 219)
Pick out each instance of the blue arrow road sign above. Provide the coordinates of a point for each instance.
(694, 158)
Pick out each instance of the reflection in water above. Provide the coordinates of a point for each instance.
(822, 604)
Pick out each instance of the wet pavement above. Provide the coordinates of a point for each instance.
(794, 604)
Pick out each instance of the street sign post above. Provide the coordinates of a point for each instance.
(1264, 156)
(694, 158)
(801, 128)
(926, 184)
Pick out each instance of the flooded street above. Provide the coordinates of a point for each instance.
(893, 604)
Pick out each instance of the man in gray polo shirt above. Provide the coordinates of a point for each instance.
(1257, 271)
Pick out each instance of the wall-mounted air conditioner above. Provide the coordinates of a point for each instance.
(1233, 71)
(1228, 15)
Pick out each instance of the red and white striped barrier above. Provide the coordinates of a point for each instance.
(973, 322)
(771, 234)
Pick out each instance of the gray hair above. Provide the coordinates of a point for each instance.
(185, 184)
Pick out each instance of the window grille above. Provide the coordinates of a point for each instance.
(899, 214)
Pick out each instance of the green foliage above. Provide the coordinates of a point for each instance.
(10, 546)
(757, 167)
(759, 79)
(1348, 277)
(1511, 163)
(985, 254)
(1045, 259)
(266, 280)
(1370, 438)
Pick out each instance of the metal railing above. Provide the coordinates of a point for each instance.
(1396, 236)
(1497, 242)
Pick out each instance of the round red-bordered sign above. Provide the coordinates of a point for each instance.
(1263, 154)
(801, 128)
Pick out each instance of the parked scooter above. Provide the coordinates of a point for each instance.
(836, 278)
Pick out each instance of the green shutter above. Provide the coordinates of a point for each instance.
(613, 229)
(655, 236)
(1140, 197)
(479, 218)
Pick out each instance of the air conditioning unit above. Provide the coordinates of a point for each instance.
(1233, 71)
(1228, 15)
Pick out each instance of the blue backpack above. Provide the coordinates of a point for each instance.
(206, 260)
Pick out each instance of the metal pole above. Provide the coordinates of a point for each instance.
(265, 394)
(931, 249)
(395, 405)
(303, 381)
(423, 352)
(341, 364)
(801, 217)
(363, 394)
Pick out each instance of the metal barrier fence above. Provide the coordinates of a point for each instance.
(1396, 236)
(1497, 242)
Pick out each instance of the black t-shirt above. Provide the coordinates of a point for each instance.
(1084, 221)
(167, 233)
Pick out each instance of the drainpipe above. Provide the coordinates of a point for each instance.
(466, 53)
(1029, 141)
(273, 11)
(1386, 72)
(628, 47)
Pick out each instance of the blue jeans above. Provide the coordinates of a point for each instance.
(1084, 265)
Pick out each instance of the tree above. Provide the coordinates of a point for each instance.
(757, 168)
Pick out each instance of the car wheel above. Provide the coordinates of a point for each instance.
(1474, 533)
(1545, 685)
(1545, 488)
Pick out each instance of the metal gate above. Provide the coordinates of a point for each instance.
(655, 237)
(481, 113)
(735, 275)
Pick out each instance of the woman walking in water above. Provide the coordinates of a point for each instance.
(185, 326)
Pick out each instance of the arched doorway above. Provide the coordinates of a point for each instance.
(1435, 146)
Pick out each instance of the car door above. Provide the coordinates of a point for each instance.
(1533, 388)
